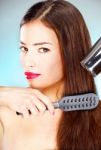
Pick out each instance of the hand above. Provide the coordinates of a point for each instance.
(26, 101)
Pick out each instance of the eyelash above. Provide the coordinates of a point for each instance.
(45, 50)
(22, 48)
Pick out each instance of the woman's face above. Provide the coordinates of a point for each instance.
(40, 55)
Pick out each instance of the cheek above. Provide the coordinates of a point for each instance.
(53, 67)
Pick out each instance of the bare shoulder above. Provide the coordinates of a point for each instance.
(6, 116)
(1, 134)
(1, 118)
(1, 128)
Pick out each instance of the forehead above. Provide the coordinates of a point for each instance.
(36, 31)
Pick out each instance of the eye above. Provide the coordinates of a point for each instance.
(43, 50)
(24, 49)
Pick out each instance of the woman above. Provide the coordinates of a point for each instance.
(54, 39)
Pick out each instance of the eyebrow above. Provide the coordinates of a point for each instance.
(35, 44)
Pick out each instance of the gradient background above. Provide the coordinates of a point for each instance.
(11, 12)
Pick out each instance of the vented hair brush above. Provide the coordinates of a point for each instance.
(77, 102)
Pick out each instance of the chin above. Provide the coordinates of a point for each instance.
(38, 86)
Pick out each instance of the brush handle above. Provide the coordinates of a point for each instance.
(56, 105)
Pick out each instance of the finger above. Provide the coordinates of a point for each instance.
(40, 106)
(43, 98)
(24, 111)
(33, 109)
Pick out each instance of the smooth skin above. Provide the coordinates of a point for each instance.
(39, 53)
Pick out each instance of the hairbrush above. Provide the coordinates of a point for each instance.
(77, 102)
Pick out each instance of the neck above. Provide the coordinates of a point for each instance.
(54, 92)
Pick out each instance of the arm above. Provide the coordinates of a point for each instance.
(25, 100)
(1, 125)
(2, 99)
(1, 135)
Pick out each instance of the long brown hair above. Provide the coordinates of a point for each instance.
(77, 130)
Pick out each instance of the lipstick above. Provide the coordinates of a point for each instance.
(31, 75)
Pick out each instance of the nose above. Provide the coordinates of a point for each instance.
(29, 61)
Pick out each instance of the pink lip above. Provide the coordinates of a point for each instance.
(31, 75)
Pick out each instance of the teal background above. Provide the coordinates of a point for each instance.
(11, 12)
